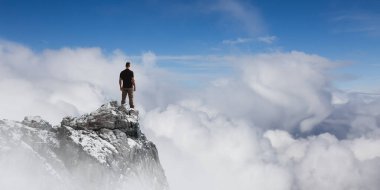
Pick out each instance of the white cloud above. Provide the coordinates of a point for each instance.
(57, 83)
(295, 82)
(263, 39)
(149, 59)
(53, 83)
(221, 152)
(271, 124)
(228, 151)
(237, 41)
(267, 39)
(244, 14)
(356, 22)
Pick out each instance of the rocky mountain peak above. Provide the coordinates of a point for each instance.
(104, 149)
(108, 116)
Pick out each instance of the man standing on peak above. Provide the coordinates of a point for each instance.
(127, 85)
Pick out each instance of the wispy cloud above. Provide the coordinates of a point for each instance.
(243, 13)
(263, 39)
(267, 39)
(237, 41)
(195, 61)
(357, 22)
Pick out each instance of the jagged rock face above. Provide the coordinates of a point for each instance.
(101, 150)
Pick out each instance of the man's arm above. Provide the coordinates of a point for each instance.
(120, 83)
(134, 83)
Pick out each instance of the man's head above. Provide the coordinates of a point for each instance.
(128, 64)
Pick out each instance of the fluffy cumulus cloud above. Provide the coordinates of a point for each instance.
(67, 81)
(53, 83)
(275, 123)
(295, 83)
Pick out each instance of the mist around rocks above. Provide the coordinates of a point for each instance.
(276, 122)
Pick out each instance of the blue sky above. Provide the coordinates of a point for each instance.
(348, 30)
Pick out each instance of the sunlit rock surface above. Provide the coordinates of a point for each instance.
(104, 149)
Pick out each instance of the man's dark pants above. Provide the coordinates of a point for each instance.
(124, 92)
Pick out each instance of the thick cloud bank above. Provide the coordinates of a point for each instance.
(277, 122)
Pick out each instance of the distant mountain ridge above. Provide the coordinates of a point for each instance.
(104, 149)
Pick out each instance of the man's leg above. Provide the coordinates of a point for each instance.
(123, 96)
(130, 96)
